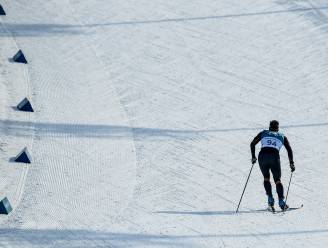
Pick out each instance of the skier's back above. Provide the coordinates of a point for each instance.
(269, 159)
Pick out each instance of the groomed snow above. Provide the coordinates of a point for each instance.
(144, 115)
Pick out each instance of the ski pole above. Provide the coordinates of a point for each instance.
(290, 179)
(245, 187)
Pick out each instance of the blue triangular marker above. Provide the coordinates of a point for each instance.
(19, 57)
(2, 11)
(5, 207)
(25, 105)
(23, 157)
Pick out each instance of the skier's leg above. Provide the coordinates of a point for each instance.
(280, 192)
(264, 166)
(276, 172)
(267, 186)
(280, 189)
(268, 190)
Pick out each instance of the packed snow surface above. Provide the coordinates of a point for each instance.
(144, 115)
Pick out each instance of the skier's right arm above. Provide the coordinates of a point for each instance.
(256, 140)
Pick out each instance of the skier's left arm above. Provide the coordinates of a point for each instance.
(290, 153)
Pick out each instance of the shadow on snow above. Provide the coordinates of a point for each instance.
(29, 29)
(24, 129)
(85, 238)
(210, 213)
(318, 17)
(204, 18)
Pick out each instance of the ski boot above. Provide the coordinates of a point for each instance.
(271, 204)
(282, 204)
(270, 201)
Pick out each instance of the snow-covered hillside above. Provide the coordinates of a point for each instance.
(144, 115)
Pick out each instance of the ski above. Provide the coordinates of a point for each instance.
(274, 211)
(290, 209)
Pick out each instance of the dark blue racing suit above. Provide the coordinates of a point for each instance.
(269, 159)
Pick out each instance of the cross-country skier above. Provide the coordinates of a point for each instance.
(272, 140)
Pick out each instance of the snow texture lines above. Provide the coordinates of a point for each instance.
(74, 177)
(145, 114)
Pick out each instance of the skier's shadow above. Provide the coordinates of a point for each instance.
(209, 213)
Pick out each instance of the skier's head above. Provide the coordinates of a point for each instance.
(274, 126)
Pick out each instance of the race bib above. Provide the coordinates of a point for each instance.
(271, 142)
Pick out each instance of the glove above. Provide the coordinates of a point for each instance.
(254, 160)
(292, 166)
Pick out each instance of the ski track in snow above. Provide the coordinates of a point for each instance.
(145, 111)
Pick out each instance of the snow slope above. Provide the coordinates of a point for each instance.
(144, 115)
